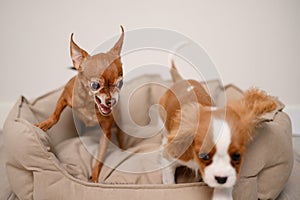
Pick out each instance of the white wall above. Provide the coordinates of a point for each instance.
(251, 42)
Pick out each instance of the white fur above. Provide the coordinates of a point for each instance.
(214, 108)
(168, 165)
(190, 88)
(222, 194)
(221, 162)
(168, 171)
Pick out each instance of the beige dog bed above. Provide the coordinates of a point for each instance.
(57, 164)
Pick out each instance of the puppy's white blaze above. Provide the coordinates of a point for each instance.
(222, 136)
(221, 163)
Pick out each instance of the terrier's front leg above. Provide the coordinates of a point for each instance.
(53, 119)
(103, 145)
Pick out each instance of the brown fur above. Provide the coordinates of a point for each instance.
(178, 95)
(107, 69)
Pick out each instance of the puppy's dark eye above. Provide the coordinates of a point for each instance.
(236, 156)
(95, 85)
(204, 156)
(119, 84)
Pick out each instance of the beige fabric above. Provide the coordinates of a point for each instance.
(4, 186)
(291, 190)
(57, 165)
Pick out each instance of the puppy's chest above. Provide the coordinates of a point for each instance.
(84, 107)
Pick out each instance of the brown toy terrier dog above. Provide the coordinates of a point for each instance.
(92, 94)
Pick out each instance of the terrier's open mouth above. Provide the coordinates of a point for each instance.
(104, 110)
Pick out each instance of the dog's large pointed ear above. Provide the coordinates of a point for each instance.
(78, 55)
(116, 49)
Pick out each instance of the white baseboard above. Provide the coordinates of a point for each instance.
(292, 110)
(5, 108)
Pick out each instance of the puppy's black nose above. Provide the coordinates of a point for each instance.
(220, 179)
(111, 102)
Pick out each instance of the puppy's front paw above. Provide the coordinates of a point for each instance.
(168, 176)
(222, 198)
(168, 180)
(222, 194)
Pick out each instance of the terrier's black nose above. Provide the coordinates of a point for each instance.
(220, 179)
(111, 102)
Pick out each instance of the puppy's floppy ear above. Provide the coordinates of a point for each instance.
(78, 55)
(258, 103)
(249, 111)
(116, 49)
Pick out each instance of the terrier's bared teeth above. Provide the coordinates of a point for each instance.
(104, 109)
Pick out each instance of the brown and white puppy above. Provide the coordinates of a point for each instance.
(211, 140)
(181, 93)
(92, 93)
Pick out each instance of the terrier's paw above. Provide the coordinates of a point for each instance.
(47, 124)
(43, 125)
(93, 179)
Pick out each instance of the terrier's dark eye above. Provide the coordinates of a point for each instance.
(204, 156)
(95, 85)
(236, 156)
(119, 84)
